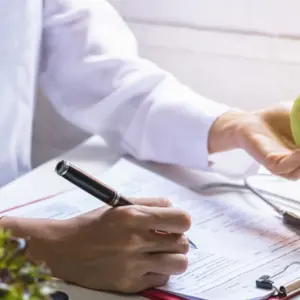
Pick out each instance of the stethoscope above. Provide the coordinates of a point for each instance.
(287, 216)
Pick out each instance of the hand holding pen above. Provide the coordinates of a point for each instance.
(116, 249)
(96, 188)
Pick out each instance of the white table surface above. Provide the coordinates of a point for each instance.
(95, 158)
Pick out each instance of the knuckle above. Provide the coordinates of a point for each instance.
(182, 264)
(186, 221)
(127, 215)
(184, 245)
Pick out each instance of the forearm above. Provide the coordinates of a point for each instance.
(106, 89)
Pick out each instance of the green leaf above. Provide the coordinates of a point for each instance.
(20, 279)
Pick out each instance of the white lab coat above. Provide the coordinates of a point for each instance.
(85, 60)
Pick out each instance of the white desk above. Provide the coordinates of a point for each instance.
(95, 158)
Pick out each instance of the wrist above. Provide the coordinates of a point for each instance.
(226, 132)
(42, 236)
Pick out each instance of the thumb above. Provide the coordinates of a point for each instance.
(158, 202)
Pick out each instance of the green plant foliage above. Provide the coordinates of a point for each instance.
(19, 278)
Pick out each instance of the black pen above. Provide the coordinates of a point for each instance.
(91, 185)
(94, 187)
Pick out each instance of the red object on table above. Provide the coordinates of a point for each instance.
(154, 294)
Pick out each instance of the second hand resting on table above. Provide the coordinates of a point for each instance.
(121, 240)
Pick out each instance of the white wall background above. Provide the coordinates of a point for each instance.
(245, 53)
(242, 52)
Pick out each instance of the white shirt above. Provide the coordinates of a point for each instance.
(86, 61)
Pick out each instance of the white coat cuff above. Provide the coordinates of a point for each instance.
(173, 126)
(204, 115)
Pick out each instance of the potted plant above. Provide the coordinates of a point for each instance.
(21, 279)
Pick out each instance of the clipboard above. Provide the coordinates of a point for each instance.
(287, 291)
(154, 294)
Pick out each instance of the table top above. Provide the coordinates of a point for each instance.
(94, 157)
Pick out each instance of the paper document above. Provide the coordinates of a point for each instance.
(235, 246)
(63, 206)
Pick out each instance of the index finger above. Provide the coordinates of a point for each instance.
(168, 219)
(159, 202)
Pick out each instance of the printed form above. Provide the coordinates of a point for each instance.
(235, 246)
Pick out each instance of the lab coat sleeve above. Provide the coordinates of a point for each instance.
(94, 76)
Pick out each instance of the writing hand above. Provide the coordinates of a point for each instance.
(112, 249)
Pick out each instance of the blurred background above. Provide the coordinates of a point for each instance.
(245, 53)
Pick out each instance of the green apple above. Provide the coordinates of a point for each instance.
(295, 121)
